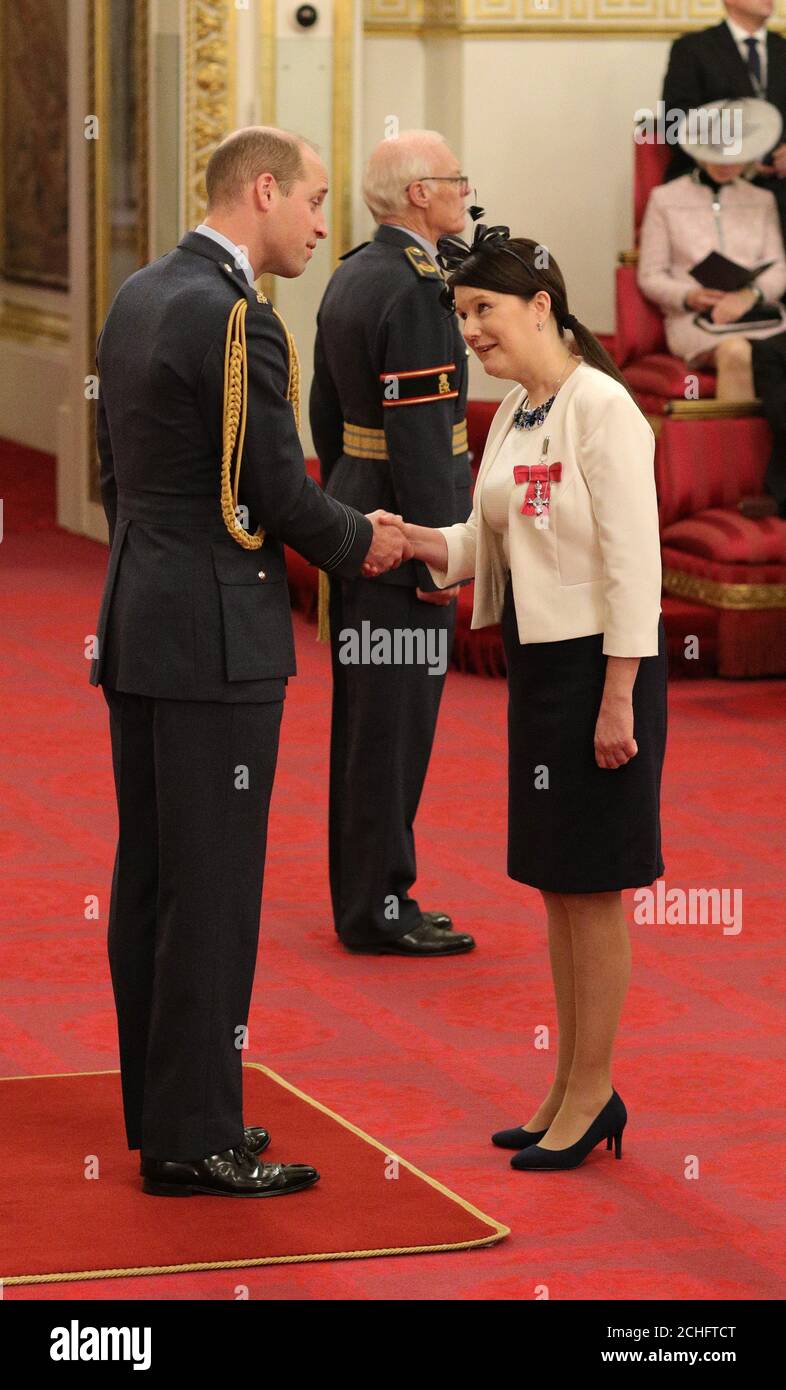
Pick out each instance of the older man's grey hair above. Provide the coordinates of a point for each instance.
(393, 165)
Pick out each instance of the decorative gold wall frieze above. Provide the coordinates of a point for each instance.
(26, 323)
(210, 87)
(530, 18)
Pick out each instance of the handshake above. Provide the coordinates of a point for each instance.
(392, 543)
(389, 544)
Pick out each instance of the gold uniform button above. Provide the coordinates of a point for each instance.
(262, 574)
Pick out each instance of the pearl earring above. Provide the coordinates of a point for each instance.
(540, 326)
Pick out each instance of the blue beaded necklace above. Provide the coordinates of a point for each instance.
(530, 419)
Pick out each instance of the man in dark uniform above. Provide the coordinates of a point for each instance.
(197, 373)
(388, 417)
(737, 58)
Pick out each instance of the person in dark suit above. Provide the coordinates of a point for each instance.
(737, 58)
(769, 383)
(388, 418)
(198, 375)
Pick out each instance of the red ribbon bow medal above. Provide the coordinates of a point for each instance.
(539, 477)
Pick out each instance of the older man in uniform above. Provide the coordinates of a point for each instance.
(388, 408)
(198, 375)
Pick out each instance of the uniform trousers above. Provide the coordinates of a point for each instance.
(193, 782)
(383, 723)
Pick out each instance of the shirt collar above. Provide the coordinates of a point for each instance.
(740, 34)
(424, 242)
(239, 258)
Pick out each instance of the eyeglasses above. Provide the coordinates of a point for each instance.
(461, 179)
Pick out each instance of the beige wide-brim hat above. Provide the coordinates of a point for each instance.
(738, 131)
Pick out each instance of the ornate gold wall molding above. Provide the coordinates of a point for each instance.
(210, 90)
(533, 18)
(25, 323)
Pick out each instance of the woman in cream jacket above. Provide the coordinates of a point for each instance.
(716, 209)
(563, 544)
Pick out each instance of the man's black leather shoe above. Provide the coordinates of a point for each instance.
(255, 1139)
(233, 1173)
(438, 919)
(423, 940)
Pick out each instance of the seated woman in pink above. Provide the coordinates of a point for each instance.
(716, 208)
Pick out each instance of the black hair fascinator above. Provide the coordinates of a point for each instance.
(452, 252)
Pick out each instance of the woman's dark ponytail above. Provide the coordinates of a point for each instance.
(593, 352)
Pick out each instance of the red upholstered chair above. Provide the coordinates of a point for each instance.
(711, 553)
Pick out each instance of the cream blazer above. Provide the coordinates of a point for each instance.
(597, 568)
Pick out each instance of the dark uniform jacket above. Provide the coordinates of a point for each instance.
(708, 67)
(389, 395)
(187, 612)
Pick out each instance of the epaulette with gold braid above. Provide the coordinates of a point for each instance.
(234, 416)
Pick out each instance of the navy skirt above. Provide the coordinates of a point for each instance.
(574, 827)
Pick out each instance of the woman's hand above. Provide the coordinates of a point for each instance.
(614, 741)
(424, 543)
(701, 298)
(733, 306)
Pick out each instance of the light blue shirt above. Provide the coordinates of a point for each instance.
(427, 245)
(239, 259)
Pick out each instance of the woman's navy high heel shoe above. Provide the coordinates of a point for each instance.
(518, 1138)
(608, 1125)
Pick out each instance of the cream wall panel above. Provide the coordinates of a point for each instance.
(34, 380)
(304, 103)
(394, 79)
(548, 139)
(444, 89)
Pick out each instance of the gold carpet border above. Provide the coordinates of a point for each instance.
(751, 597)
(499, 1232)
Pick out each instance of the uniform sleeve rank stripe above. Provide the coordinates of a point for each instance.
(346, 544)
(419, 400)
(420, 371)
(425, 384)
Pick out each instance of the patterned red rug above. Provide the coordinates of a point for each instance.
(431, 1056)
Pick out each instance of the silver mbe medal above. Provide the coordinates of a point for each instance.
(539, 476)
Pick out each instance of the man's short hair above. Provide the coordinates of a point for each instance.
(245, 154)
(395, 163)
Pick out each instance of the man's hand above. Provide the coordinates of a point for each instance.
(440, 597)
(389, 545)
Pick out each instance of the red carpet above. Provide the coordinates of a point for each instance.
(431, 1057)
(368, 1202)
